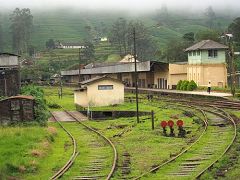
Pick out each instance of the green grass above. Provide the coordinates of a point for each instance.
(67, 101)
(138, 140)
(228, 166)
(33, 151)
(86, 149)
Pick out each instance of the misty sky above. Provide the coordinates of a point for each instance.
(133, 5)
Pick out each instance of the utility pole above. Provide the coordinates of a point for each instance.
(136, 73)
(5, 83)
(232, 66)
(79, 67)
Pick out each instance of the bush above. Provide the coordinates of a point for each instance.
(191, 86)
(40, 110)
(53, 106)
(179, 84)
(184, 85)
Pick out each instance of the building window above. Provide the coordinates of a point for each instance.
(194, 53)
(198, 53)
(190, 53)
(105, 87)
(212, 53)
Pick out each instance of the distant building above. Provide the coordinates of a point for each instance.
(63, 45)
(99, 91)
(151, 74)
(103, 39)
(207, 62)
(9, 74)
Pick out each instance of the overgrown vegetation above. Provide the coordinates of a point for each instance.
(40, 109)
(228, 166)
(33, 152)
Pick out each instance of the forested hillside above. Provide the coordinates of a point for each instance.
(72, 26)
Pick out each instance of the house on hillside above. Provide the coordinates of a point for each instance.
(103, 39)
(99, 91)
(68, 45)
(207, 62)
(9, 74)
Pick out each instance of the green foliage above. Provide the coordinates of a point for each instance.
(207, 34)
(234, 28)
(191, 86)
(53, 105)
(40, 110)
(184, 85)
(189, 37)
(1, 38)
(21, 27)
(50, 44)
(210, 17)
(179, 85)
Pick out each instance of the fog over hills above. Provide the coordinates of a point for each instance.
(129, 5)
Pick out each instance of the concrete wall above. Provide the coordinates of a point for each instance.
(204, 59)
(158, 76)
(6, 60)
(80, 98)
(95, 97)
(202, 74)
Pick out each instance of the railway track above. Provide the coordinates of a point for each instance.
(97, 148)
(216, 139)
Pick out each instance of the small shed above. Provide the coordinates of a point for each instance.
(17, 109)
(99, 91)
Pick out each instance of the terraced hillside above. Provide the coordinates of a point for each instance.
(66, 25)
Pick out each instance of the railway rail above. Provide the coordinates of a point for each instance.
(212, 144)
(96, 163)
(72, 158)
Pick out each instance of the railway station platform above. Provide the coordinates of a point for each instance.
(191, 93)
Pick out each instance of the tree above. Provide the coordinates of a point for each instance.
(189, 37)
(145, 46)
(207, 34)
(234, 28)
(118, 35)
(88, 51)
(1, 38)
(174, 51)
(210, 15)
(50, 44)
(163, 15)
(31, 50)
(21, 28)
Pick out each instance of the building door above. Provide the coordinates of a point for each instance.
(165, 84)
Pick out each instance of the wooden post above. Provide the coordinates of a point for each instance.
(152, 119)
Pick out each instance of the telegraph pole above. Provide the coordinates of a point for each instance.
(232, 66)
(136, 73)
(79, 67)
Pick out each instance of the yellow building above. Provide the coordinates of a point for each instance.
(99, 91)
(177, 72)
(207, 62)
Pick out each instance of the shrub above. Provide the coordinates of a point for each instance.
(40, 111)
(53, 106)
(184, 85)
(191, 86)
(179, 84)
